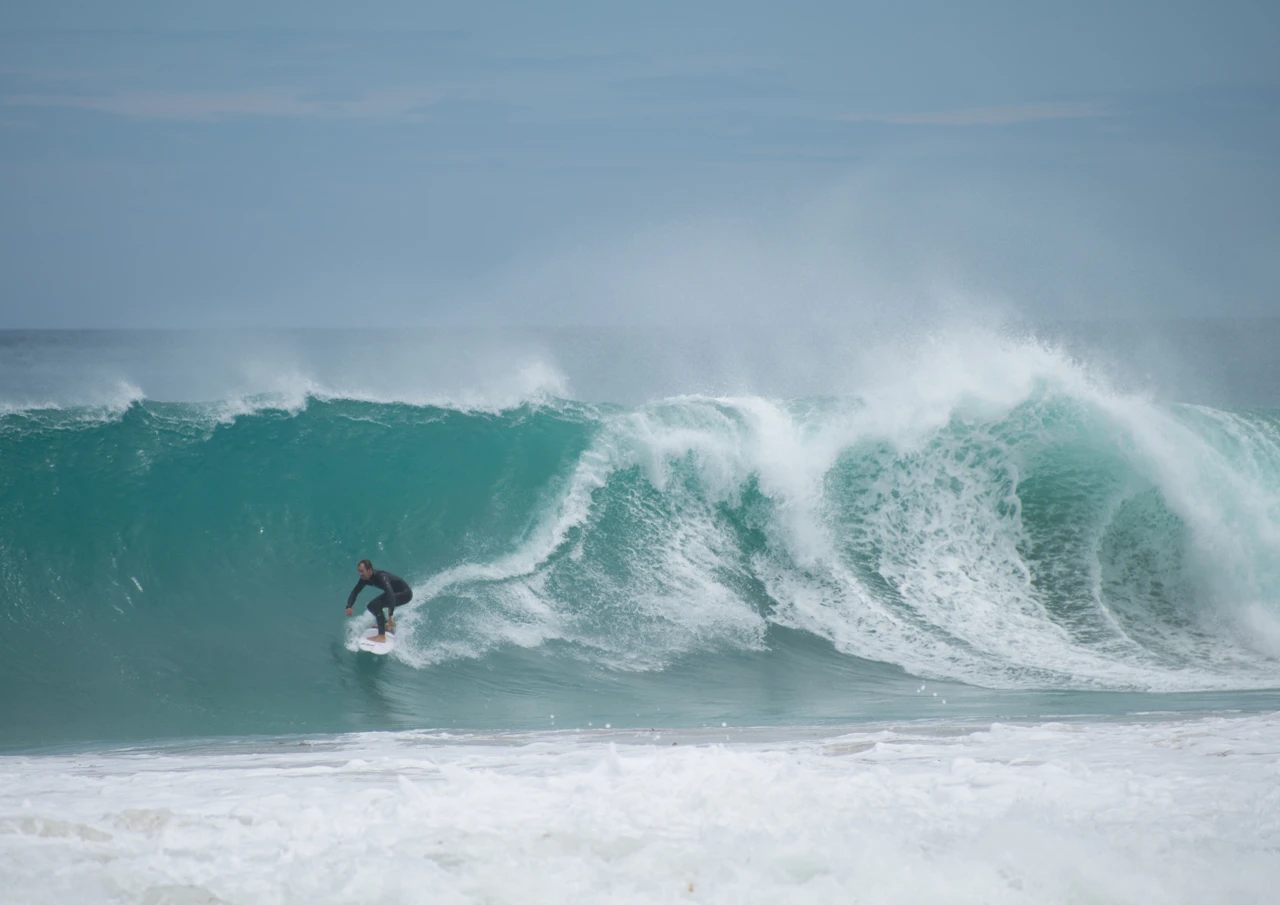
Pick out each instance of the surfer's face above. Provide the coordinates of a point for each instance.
(364, 571)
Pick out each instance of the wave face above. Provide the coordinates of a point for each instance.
(993, 519)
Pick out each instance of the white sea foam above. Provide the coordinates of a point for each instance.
(1120, 812)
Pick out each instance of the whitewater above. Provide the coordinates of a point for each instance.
(968, 615)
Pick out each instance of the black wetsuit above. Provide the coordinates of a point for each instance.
(395, 592)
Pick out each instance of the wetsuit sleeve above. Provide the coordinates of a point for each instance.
(355, 592)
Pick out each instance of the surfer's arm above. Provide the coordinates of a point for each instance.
(355, 592)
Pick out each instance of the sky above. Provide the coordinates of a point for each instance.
(416, 164)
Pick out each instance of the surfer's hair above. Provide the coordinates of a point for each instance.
(364, 562)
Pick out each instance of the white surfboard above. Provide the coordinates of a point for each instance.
(376, 647)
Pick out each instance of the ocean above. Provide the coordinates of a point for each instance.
(867, 613)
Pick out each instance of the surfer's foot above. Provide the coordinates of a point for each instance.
(391, 623)
(380, 639)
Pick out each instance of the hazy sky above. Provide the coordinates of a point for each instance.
(416, 163)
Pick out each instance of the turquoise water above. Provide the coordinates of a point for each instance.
(989, 530)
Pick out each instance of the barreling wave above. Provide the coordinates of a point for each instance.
(985, 514)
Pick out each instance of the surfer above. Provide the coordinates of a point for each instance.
(395, 592)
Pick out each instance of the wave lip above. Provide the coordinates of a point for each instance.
(515, 384)
(106, 402)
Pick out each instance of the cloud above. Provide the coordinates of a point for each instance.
(984, 116)
(209, 106)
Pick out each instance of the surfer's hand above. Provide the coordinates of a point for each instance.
(348, 611)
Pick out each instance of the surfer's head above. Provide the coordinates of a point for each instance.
(365, 568)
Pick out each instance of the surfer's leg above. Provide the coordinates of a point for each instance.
(375, 607)
(401, 598)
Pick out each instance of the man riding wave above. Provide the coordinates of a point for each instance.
(395, 592)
